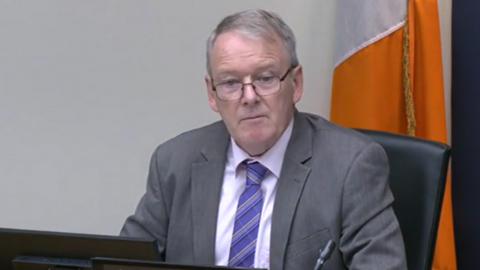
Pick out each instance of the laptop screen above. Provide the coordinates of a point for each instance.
(125, 264)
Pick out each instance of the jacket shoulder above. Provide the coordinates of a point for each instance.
(339, 132)
(187, 145)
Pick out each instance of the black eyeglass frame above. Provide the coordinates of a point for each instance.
(281, 79)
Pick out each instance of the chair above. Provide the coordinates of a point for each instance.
(418, 171)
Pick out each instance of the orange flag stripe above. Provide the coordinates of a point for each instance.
(367, 87)
(428, 93)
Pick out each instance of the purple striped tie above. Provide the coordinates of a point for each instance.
(247, 220)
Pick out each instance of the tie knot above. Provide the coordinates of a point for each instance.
(255, 172)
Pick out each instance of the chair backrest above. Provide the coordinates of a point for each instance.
(418, 172)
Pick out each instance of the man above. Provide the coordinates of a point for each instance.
(268, 186)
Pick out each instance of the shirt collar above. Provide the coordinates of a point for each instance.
(272, 159)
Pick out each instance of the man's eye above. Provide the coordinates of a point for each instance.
(230, 82)
(265, 79)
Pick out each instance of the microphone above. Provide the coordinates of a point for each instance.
(325, 254)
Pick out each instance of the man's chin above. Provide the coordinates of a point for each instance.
(255, 144)
(256, 135)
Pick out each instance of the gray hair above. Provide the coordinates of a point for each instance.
(256, 23)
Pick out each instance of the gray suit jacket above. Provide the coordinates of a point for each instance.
(333, 185)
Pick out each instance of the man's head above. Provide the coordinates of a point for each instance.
(255, 48)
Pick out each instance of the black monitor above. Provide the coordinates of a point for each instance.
(42, 250)
(99, 263)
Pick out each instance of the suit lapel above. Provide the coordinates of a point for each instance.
(290, 186)
(206, 184)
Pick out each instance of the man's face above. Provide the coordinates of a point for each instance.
(255, 122)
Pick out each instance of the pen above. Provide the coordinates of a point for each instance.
(325, 254)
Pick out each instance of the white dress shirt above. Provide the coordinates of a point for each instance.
(234, 181)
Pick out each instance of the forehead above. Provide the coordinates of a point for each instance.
(242, 51)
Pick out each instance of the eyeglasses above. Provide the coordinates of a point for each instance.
(264, 86)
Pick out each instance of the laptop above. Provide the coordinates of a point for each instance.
(29, 249)
(101, 263)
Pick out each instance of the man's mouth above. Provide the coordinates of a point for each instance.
(252, 117)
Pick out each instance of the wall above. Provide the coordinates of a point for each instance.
(89, 88)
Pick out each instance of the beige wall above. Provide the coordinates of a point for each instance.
(89, 88)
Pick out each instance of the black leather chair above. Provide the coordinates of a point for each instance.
(418, 171)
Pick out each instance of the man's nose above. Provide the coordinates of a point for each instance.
(249, 94)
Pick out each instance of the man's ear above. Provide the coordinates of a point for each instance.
(212, 97)
(297, 74)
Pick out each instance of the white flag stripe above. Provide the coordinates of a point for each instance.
(360, 23)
